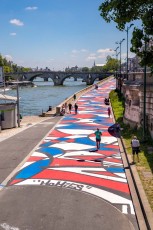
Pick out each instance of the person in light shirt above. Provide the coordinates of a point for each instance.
(135, 144)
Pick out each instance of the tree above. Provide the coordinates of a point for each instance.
(1, 60)
(126, 11)
(97, 69)
(111, 65)
(85, 69)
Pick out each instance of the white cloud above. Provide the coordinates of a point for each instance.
(8, 57)
(75, 51)
(92, 56)
(79, 51)
(13, 34)
(108, 50)
(16, 22)
(31, 8)
(84, 50)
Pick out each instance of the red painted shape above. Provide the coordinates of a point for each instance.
(34, 158)
(16, 181)
(71, 163)
(85, 179)
(56, 133)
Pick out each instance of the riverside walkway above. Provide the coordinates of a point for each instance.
(64, 183)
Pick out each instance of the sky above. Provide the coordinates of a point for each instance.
(57, 33)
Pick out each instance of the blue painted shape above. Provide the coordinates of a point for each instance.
(63, 139)
(115, 170)
(85, 141)
(33, 169)
(51, 150)
(69, 118)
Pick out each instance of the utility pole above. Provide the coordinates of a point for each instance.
(116, 60)
(144, 94)
(120, 43)
(127, 30)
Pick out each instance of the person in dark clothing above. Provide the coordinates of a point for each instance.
(74, 97)
(70, 107)
(76, 108)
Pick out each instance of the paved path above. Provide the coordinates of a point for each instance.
(65, 183)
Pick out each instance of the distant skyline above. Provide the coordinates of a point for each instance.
(57, 33)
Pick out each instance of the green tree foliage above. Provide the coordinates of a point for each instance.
(126, 11)
(96, 69)
(1, 60)
(112, 64)
(85, 69)
(9, 66)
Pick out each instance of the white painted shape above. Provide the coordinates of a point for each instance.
(77, 136)
(107, 163)
(51, 138)
(62, 125)
(37, 154)
(124, 209)
(76, 131)
(71, 146)
(121, 175)
(81, 153)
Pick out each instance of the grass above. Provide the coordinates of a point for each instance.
(146, 159)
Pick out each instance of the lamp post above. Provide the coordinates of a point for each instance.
(144, 91)
(116, 59)
(127, 30)
(116, 51)
(18, 106)
(120, 43)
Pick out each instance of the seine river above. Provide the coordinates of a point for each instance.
(34, 100)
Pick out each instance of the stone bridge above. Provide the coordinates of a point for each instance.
(58, 77)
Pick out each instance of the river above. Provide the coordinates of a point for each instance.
(34, 100)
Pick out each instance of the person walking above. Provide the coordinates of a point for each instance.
(76, 108)
(109, 111)
(65, 107)
(98, 138)
(70, 107)
(74, 97)
(135, 144)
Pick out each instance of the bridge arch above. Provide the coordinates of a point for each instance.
(71, 75)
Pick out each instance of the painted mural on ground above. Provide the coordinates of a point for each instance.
(67, 157)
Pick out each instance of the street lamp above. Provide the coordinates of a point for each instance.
(116, 51)
(128, 47)
(144, 91)
(120, 43)
(116, 59)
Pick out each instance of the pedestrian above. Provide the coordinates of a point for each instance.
(98, 138)
(74, 97)
(65, 107)
(96, 86)
(135, 144)
(76, 108)
(70, 107)
(109, 111)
